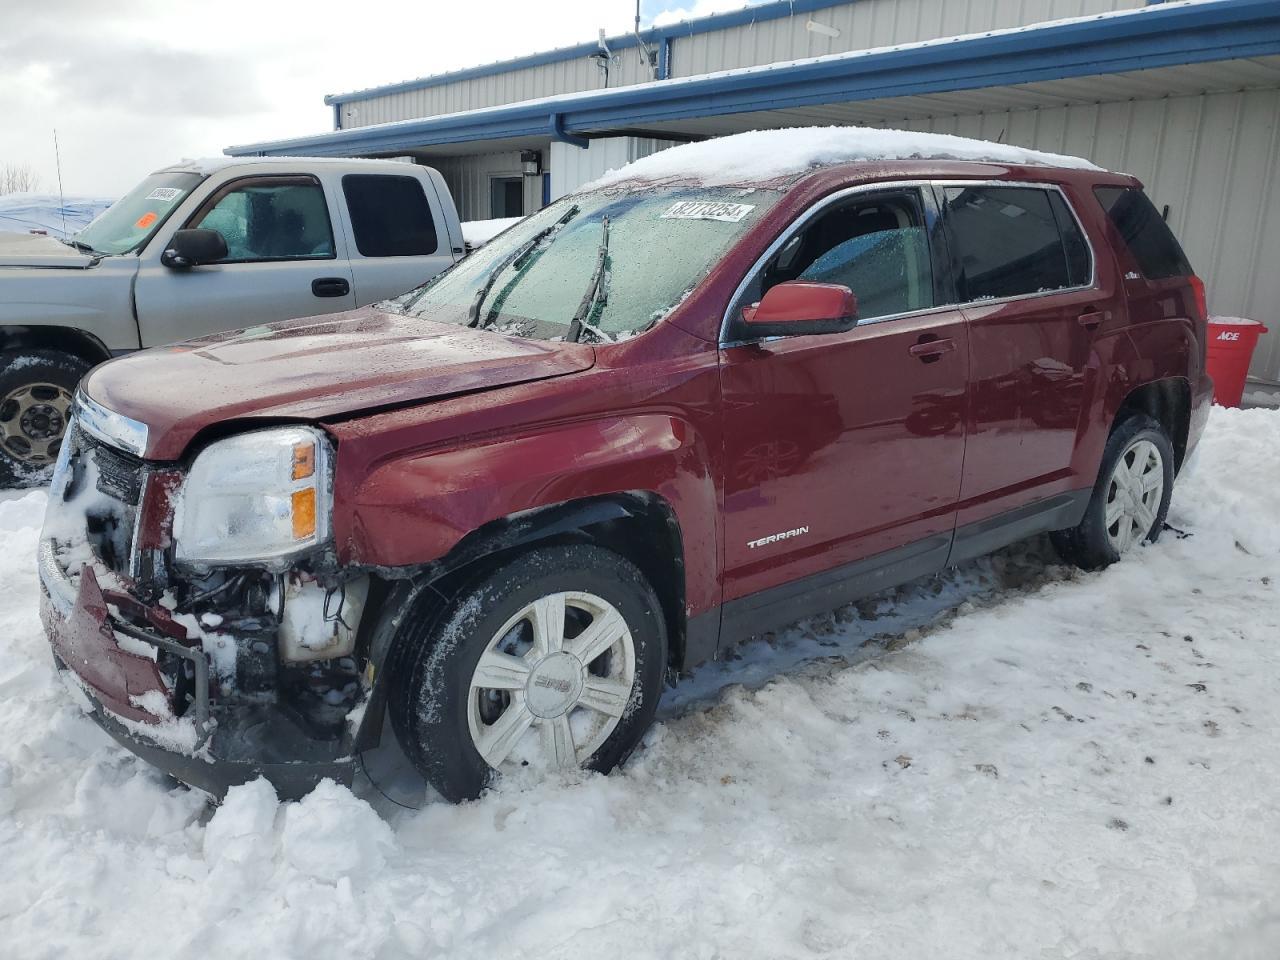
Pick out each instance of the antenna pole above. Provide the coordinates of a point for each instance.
(646, 55)
(62, 200)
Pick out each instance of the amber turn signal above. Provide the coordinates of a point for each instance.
(304, 460)
(304, 513)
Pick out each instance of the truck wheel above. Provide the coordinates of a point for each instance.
(553, 661)
(36, 389)
(1130, 499)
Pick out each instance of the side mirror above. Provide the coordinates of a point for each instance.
(190, 248)
(800, 307)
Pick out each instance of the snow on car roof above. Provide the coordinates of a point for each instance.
(769, 154)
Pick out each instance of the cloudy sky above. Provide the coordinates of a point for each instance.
(133, 84)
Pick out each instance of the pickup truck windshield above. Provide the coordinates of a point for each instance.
(661, 241)
(129, 222)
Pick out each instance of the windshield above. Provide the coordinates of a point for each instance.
(129, 222)
(619, 260)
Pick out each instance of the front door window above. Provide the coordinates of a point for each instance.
(271, 218)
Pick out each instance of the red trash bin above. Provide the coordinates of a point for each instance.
(1231, 343)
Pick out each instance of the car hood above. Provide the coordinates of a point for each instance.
(34, 250)
(316, 368)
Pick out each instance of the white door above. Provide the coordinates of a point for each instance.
(398, 239)
(284, 259)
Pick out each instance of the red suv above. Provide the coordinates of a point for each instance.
(679, 408)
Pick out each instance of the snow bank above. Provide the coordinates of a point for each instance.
(332, 834)
(242, 830)
(476, 233)
(767, 154)
(1012, 760)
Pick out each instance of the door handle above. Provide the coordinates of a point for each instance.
(928, 351)
(330, 287)
(1092, 319)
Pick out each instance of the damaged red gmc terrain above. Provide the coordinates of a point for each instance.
(736, 383)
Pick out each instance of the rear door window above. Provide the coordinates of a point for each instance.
(1079, 260)
(1014, 242)
(390, 215)
(1154, 247)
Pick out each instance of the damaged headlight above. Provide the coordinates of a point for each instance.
(256, 497)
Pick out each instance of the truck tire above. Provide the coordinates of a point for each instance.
(36, 389)
(1130, 498)
(553, 661)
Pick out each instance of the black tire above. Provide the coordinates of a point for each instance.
(1088, 545)
(34, 388)
(439, 647)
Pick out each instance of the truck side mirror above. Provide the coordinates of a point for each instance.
(801, 307)
(190, 248)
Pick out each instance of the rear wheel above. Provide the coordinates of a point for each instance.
(553, 662)
(36, 390)
(1130, 499)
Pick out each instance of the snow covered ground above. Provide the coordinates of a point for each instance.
(1008, 761)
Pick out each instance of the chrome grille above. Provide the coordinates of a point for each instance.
(109, 523)
(120, 475)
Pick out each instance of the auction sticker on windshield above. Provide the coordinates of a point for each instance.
(164, 194)
(707, 210)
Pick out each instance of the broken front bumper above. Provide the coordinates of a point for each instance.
(130, 660)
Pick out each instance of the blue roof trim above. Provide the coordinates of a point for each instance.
(1152, 36)
(653, 36)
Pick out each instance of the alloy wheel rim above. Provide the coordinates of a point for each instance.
(552, 684)
(33, 420)
(1134, 494)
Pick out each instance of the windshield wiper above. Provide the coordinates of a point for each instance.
(517, 258)
(597, 290)
(78, 244)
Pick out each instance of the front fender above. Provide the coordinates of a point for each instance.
(413, 510)
(98, 301)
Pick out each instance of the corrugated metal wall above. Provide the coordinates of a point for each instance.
(468, 180)
(1214, 159)
(566, 76)
(865, 24)
(862, 24)
(572, 167)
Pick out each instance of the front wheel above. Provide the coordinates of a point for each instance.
(36, 390)
(553, 662)
(1130, 499)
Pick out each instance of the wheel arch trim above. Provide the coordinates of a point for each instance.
(72, 340)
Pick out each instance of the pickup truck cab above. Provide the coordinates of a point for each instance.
(193, 250)
(734, 384)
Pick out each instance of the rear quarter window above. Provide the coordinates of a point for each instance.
(1154, 247)
(390, 215)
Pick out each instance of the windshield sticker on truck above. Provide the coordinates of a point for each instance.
(707, 210)
(164, 194)
(146, 220)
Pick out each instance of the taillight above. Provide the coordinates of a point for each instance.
(1197, 285)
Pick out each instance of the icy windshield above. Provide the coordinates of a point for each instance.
(129, 222)
(617, 260)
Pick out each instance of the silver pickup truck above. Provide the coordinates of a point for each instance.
(200, 247)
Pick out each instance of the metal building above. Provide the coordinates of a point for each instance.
(1184, 95)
